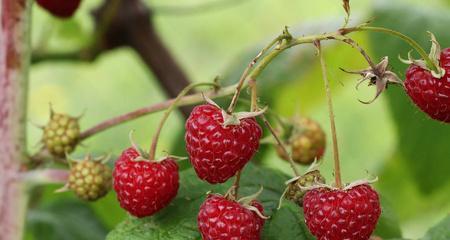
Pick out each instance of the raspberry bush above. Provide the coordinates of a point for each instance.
(250, 162)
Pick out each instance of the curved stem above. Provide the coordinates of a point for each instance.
(167, 113)
(337, 167)
(247, 70)
(405, 38)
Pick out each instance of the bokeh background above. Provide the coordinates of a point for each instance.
(389, 138)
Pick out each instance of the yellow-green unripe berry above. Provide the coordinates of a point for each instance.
(61, 134)
(89, 179)
(295, 192)
(307, 141)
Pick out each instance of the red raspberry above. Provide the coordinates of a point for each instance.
(430, 94)
(342, 214)
(215, 151)
(144, 187)
(60, 8)
(223, 219)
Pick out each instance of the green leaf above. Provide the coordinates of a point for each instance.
(423, 142)
(439, 232)
(388, 224)
(178, 220)
(68, 220)
(287, 223)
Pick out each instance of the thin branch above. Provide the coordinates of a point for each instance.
(354, 44)
(184, 101)
(280, 144)
(337, 167)
(45, 176)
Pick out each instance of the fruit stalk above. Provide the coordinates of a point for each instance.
(280, 144)
(167, 113)
(405, 38)
(337, 167)
(14, 63)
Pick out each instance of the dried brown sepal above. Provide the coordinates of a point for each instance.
(379, 76)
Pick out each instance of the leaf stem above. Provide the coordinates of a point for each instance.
(167, 113)
(337, 167)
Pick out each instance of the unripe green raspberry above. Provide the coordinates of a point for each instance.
(306, 141)
(295, 192)
(61, 134)
(90, 179)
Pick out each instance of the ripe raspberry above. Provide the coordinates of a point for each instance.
(62, 9)
(307, 141)
(61, 134)
(144, 187)
(431, 94)
(223, 219)
(342, 214)
(217, 152)
(89, 179)
(295, 190)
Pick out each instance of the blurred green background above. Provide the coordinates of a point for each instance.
(389, 138)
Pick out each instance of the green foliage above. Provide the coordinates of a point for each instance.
(415, 180)
(178, 220)
(287, 223)
(424, 142)
(68, 220)
(388, 226)
(440, 231)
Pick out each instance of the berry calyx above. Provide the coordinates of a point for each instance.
(217, 151)
(222, 219)
(336, 214)
(306, 141)
(58, 8)
(90, 179)
(144, 187)
(61, 134)
(428, 90)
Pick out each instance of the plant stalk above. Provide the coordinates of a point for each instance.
(337, 167)
(14, 63)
